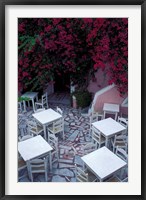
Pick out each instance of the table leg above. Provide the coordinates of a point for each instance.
(50, 161)
(45, 134)
(104, 115)
(33, 105)
(106, 142)
(116, 115)
(24, 105)
(28, 169)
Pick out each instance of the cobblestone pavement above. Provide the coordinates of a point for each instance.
(70, 149)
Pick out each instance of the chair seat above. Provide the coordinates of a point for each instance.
(113, 179)
(56, 130)
(120, 144)
(39, 102)
(39, 129)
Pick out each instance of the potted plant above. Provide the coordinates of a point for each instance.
(83, 98)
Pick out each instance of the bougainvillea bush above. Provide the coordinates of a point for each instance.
(74, 46)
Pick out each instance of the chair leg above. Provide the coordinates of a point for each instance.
(57, 155)
(99, 145)
(63, 134)
(46, 176)
(31, 177)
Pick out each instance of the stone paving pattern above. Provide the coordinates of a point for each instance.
(70, 149)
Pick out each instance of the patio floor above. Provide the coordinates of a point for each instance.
(70, 149)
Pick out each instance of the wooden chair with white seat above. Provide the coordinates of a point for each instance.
(120, 152)
(59, 110)
(53, 141)
(34, 127)
(120, 140)
(124, 122)
(84, 175)
(43, 102)
(57, 127)
(95, 116)
(97, 137)
(38, 165)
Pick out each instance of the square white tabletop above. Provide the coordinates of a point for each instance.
(33, 148)
(108, 127)
(30, 95)
(47, 116)
(109, 107)
(103, 162)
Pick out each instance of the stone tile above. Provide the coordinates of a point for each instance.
(61, 151)
(58, 179)
(73, 179)
(65, 147)
(64, 172)
(73, 136)
(78, 160)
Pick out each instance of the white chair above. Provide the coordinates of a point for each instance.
(57, 127)
(59, 111)
(43, 102)
(124, 122)
(120, 140)
(39, 165)
(122, 154)
(53, 141)
(20, 106)
(34, 127)
(97, 137)
(95, 116)
(84, 175)
(88, 148)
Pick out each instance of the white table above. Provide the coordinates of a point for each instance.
(46, 117)
(111, 109)
(31, 96)
(108, 128)
(33, 148)
(103, 163)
